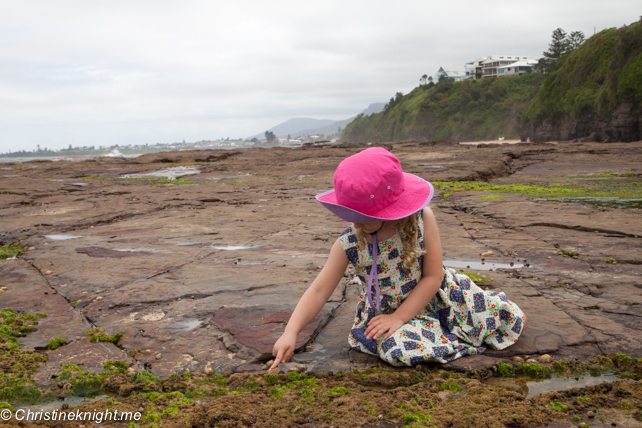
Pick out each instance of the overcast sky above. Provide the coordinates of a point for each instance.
(121, 72)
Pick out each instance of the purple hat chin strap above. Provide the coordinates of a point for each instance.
(373, 270)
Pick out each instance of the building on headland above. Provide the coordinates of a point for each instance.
(456, 72)
(475, 69)
(488, 66)
(494, 62)
(518, 67)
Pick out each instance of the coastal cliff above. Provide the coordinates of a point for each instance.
(593, 94)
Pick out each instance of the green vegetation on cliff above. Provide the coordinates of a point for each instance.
(469, 110)
(595, 77)
(606, 67)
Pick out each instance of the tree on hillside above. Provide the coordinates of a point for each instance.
(269, 136)
(561, 44)
(423, 79)
(393, 101)
(575, 39)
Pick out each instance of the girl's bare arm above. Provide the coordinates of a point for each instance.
(311, 302)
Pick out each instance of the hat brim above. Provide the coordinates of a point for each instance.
(416, 195)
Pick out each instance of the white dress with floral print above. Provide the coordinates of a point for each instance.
(460, 320)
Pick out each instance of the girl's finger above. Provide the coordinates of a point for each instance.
(278, 359)
(378, 332)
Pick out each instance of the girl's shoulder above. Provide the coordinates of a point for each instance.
(348, 238)
(348, 231)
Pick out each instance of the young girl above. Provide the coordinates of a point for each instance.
(412, 308)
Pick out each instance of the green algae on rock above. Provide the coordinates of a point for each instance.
(18, 366)
(56, 343)
(99, 335)
(11, 250)
(534, 370)
(477, 279)
(607, 192)
(505, 370)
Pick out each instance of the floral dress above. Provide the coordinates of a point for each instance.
(460, 320)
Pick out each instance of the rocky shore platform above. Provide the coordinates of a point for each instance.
(200, 272)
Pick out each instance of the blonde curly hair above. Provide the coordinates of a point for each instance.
(409, 235)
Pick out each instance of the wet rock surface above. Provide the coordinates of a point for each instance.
(205, 274)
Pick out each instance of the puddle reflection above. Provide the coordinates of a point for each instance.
(479, 265)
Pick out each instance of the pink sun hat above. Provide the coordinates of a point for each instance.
(370, 186)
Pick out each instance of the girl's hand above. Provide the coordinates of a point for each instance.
(283, 348)
(383, 324)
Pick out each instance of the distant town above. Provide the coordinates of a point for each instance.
(136, 149)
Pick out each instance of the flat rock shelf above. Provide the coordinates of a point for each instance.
(201, 273)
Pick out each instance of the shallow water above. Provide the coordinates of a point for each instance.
(72, 400)
(231, 247)
(189, 244)
(532, 387)
(563, 384)
(147, 250)
(186, 325)
(479, 265)
(171, 173)
(74, 158)
(62, 237)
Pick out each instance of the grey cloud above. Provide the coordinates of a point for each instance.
(157, 71)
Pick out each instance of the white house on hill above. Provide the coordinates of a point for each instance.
(493, 62)
(456, 72)
(475, 69)
(518, 67)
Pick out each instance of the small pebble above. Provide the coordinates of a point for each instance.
(487, 253)
(159, 356)
(269, 364)
(48, 272)
(61, 384)
(65, 406)
(309, 348)
(517, 359)
(31, 248)
(131, 371)
(545, 359)
(141, 409)
(300, 368)
(532, 361)
(380, 417)
(209, 371)
(590, 414)
(99, 298)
